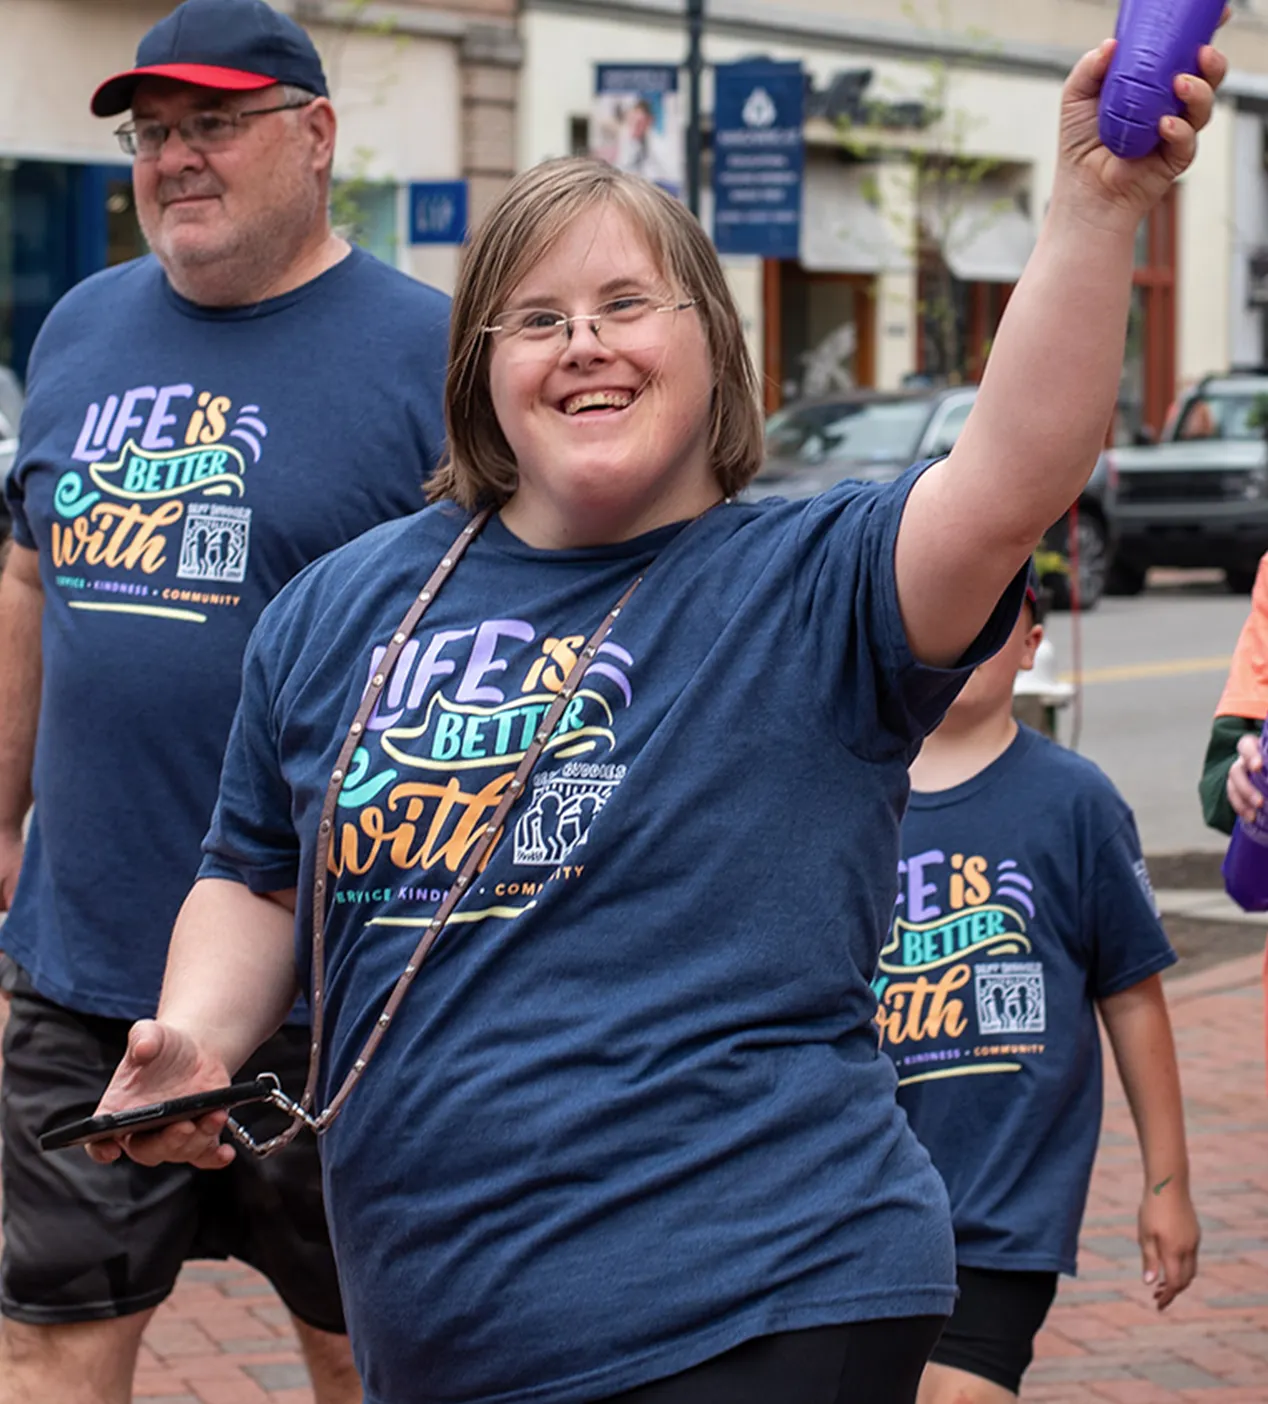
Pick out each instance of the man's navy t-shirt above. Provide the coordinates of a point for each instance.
(631, 1111)
(1023, 899)
(178, 465)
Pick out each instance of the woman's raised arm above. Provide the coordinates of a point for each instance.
(1048, 394)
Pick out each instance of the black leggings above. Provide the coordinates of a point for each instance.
(866, 1362)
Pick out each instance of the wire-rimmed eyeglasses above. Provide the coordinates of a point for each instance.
(200, 131)
(617, 323)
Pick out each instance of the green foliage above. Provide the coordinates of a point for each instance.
(362, 209)
(1049, 562)
(943, 176)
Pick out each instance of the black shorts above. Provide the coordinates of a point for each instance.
(88, 1242)
(863, 1362)
(992, 1330)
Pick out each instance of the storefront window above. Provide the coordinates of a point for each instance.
(819, 332)
(957, 322)
(7, 168)
(1147, 387)
(364, 212)
(59, 222)
(123, 233)
(1131, 386)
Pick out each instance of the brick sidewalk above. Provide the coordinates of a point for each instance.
(223, 1338)
(1103, 1341)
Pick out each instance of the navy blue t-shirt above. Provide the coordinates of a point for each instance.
(1023, 899)
(632, 1110)
(178, 465)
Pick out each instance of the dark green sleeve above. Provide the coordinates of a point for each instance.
(1221, 752)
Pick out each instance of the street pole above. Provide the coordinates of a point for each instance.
(695, 68)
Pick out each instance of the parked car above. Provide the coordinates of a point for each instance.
(1199, 496)
(10, 413)
(874, 435)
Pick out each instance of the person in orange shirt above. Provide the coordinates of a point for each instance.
(1232, 753)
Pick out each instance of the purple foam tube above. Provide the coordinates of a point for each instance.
(1157, 40)
(1246, 862)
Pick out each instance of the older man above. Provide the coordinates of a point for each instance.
(199, 426)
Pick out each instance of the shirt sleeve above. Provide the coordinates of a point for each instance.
(1129, 943)
(252, 838)
(32, 410)
(1246, 688)
(15, 501)
(1221, 752)
(882, 699)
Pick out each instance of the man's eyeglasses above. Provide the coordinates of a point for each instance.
(200, 131)
(622, 324)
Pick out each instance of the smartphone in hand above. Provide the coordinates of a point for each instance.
(156, 1115)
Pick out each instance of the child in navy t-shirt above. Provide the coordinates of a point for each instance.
(1024, 906)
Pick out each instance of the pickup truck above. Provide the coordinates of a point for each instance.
(1199, 496)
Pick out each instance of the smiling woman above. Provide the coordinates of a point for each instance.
(630, 757)
(610, 432)
(649, 325)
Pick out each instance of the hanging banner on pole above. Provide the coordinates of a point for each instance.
(636, 123)
(758, 158)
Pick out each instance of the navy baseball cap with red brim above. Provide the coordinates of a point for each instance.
(229, 45)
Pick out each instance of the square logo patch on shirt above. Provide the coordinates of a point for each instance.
(1010, 998)
(216, 542)
(562, 809)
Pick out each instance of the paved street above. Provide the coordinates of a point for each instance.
(1154, 668)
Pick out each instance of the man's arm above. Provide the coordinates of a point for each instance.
(21, 613)
(1047, 397)
(1139, 1029)
(229, 984)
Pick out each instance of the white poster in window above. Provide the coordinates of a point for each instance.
(636, 122)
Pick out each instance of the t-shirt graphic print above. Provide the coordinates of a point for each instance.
(456, 716)
(959, 956)
(161, 476)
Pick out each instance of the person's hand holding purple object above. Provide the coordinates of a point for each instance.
(1245, 866)
(1156, 41)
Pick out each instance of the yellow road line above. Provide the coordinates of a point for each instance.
(1170, 668)
(163, 613)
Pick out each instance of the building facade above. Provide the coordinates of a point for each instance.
(931, 135)
(424, 92)
(930, 142)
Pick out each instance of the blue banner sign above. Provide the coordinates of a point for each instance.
(758, 158)
(437, 211)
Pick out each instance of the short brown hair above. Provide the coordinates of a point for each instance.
(480, 469)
